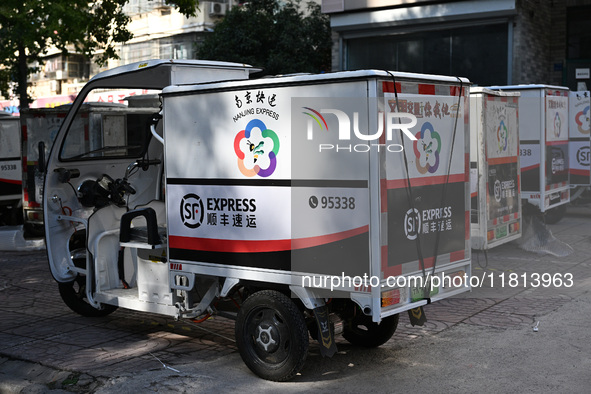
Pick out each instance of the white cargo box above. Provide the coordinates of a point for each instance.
(11, 172)
(494, 168)
(302, 181)
(579, 142)
(38, 125)
(543, 144)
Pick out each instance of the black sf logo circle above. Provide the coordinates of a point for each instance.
(412, 223)
(192, 210)
(584, 156)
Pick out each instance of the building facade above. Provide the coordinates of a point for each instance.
(160, 32)
(492, 42)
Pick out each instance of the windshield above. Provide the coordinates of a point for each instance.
(111, 124)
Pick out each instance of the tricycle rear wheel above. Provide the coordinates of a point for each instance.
(362, 331)
(271, 335)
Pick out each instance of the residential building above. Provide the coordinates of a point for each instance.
(160, 31)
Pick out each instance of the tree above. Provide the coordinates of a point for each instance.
(29, 28)
(281, 39)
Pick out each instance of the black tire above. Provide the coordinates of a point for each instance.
(74, 296)
(34, 230)
(555, 215)
(361, 331)
(272, 336)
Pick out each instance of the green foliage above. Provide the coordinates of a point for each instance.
(29, 28)
(279, 39)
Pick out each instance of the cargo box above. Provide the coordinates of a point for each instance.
(579, 143)
(106, 124)
(543, 144)
(494, 168)
(307, 180)
(39, 128)
(10, 159)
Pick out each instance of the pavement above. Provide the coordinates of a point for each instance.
(481, 341)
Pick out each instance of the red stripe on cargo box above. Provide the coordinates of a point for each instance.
(432, 180)
(457, 256)
(502, 160)
(557, 142)
(579, 172)
(250, 246)
(467, 168)
(555, 185)
(389, 87)
(523, 169)
(383, 195)
(558, 93)
(426, 89)
(12, 181)
(394, 270)
(427, 263)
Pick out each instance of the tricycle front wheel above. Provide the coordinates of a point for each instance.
(74, 296)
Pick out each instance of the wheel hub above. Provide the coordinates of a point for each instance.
(265, 338)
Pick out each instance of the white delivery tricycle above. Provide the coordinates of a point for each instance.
(197, 191)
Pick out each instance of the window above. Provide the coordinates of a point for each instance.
(579, 34)
(107, 127)
(477, 52)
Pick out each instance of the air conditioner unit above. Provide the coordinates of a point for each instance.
(217, 9)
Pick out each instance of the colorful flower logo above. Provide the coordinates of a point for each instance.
(557, 125)
(502, 136)
(256, 147)
(582, 119)
(427, 148)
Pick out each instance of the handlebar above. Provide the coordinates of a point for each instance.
(155, 119)
(104, 190)
(141, 163)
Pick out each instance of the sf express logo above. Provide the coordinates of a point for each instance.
(428, 220)
(192, 208)
(582, 120)
(412, 223)
(504, 189)
(192, 211)
(584, 156)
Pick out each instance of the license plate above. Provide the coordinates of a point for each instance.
(418, 293)
(501, 232)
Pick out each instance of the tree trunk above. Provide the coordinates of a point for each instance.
(22, 75)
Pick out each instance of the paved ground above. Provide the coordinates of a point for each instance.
(480, 341)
